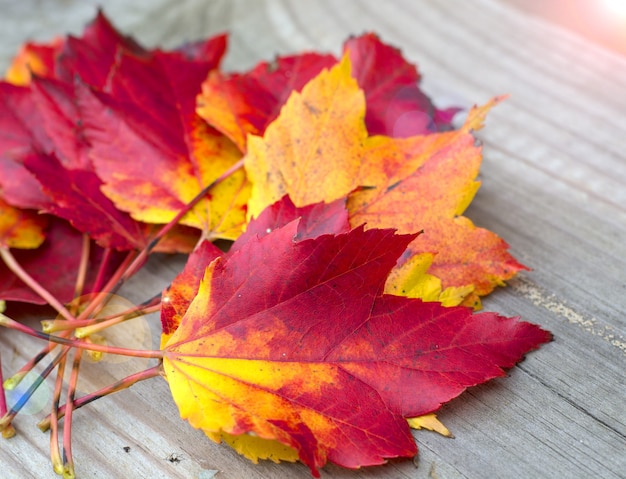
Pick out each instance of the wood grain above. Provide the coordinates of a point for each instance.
(554, 186)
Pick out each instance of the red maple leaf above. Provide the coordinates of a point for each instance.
(148, 114)
(45, 155)
(313, 221)
(395, 104)
(21, 137)
(50, 158)
(294, 341)
(94, 55)
(91, 56)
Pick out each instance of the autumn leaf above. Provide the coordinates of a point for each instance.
(51, 123)
(295, 342)
(317, 140)
(33, 58)
(95, 55)
(66, 175)
(179, 294)
(313, 221)
(239, 104)
(468, 261)
(395, 104)
(44, 164)
(150, 116)
(419, 183)
(21, 229)
(91, 56)
(31, 117)
(326, 268)
(21, 136)
(430, 422)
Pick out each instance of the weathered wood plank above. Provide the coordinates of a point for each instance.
(554, 186)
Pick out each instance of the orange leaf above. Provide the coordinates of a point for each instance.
(426, 183)
(313, 151)
(20, 228)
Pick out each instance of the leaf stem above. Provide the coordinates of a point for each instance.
(13, 381)
(99, 325)
(101, 296)
(3, 399)
(82, 267)
(24, 398)
(104, 263)
(55, 449)
(68, 459)
(21, 273)
(150, 306)
(120, 385)
(138, 353)
(143, 254)
(9, 430)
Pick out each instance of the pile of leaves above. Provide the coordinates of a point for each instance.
(337, 312)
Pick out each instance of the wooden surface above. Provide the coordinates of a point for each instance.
(554, 186)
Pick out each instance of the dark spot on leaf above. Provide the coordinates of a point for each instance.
(314, 110)
(393, 186)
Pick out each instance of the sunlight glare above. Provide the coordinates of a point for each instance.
(616, 7)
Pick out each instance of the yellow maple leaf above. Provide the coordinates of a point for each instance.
(313, 151)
